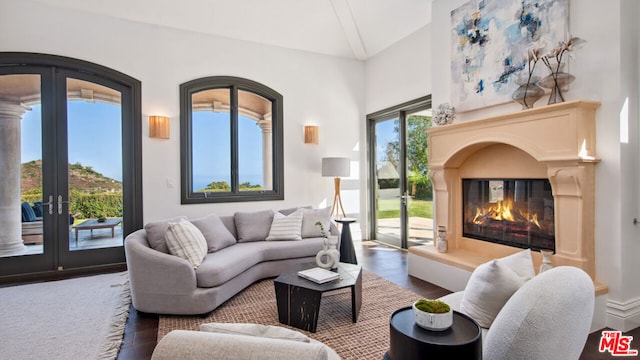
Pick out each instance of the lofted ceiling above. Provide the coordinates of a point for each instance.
(356, 29)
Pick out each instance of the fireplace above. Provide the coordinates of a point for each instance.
(513, 212)
(552, 149)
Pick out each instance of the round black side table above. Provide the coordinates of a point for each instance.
(347, 251)
(463, 340)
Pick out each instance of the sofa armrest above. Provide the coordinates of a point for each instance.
(196, 345)
(152, 271)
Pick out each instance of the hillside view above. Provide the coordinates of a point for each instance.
(81, 178)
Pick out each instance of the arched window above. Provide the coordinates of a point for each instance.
(230, 141)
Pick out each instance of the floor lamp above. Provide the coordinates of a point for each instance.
(336, 167)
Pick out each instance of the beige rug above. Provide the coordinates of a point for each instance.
(366, 339)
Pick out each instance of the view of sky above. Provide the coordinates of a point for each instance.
(94, 132)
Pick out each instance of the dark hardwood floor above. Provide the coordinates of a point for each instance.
(389, 263)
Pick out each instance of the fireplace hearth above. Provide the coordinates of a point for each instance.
(513, 212)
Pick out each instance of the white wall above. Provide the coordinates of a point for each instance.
(606, 71)
(318, 89)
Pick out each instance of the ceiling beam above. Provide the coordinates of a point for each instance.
(345, 17)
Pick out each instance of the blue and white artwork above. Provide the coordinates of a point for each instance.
(490, 39)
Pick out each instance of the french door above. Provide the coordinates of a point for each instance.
(73, 146)
(401, 194)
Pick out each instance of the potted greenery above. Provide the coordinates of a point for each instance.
(432, 314)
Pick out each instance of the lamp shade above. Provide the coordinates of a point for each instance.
(336, 166)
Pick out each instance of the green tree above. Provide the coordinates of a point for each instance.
(417, 155)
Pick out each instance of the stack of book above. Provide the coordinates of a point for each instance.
(319, 275)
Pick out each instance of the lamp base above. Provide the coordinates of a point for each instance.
(337, 200)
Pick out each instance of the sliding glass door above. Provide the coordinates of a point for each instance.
(401, 193)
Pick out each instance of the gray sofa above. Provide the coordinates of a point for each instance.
(162, 283)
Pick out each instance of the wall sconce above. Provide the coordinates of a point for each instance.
(159, 127)
(310, 134)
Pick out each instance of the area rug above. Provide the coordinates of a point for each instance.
(366, 339)
(80, 318)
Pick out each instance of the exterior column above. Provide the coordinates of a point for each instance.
(10, 161)
(267, 152)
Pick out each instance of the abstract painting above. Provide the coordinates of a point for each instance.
(490, 39)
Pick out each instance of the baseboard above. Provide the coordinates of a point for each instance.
(623, 316)
(432, 271)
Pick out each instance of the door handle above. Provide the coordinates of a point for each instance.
(50, 204)
(60, 202)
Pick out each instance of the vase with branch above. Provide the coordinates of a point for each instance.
(557, 80)
(529, 92)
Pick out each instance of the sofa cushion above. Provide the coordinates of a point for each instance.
(286, 227)
(289, 211)
(253, 226)
(309, 219)
(214, 231)
(186, 241)
(489, 288)
(155, 233)
(222, 266)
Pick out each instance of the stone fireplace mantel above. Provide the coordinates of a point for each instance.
(556, 142)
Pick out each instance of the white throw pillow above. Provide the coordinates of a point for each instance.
(286, 227)
(186, 241)
(309, 219)
(489, 288)
(257, 330)
(521, 263)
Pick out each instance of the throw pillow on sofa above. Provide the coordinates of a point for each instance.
(309, 219)
(286, 227)
(217, 235)
(155, 233)
(253, 226)
(186, 241)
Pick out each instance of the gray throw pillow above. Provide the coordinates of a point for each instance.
(290, 211)
(217, 235)
(155, 233)
(253, 226)
(309, 219)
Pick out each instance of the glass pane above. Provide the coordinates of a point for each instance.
(94, 138)
(255, 155)
(388, 200)
(21, 163)
(211, 141)
(419, 188)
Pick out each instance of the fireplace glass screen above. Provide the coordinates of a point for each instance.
(515, 212)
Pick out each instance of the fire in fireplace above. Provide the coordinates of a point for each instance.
(514, 212)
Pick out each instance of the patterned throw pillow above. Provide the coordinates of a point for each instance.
(186, 241)
(286, 227)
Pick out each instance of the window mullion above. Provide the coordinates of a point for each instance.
(233, 111)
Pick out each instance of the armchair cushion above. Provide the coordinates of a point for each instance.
(489, 288)
(257, 330)
(28, 215)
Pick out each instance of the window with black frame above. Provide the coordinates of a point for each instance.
(231, 141)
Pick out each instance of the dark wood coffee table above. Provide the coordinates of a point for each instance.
(463, 340)
(299, 299)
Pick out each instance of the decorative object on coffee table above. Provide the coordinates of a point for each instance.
(347, 251)
(329, 256)
(433, 315)
(546, 260)
(298, 299)
(441, 241)
(463, 340)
